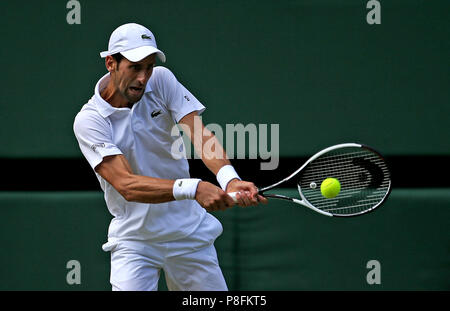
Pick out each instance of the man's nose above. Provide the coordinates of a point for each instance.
(142, 76)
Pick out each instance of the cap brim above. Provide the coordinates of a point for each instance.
(104, 54)
(142, 52)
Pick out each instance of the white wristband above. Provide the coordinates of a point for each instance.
(185, 188)
(225, 175)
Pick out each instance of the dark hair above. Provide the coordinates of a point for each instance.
(118, 57)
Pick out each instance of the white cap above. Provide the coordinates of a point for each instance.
(134, 42)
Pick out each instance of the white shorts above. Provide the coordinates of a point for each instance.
(189, 264)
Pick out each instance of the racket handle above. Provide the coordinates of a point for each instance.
(233, 196)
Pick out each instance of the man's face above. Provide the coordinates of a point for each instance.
(130, 78)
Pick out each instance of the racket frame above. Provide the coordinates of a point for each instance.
(303, 201)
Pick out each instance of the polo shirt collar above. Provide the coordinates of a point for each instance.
(105, 108)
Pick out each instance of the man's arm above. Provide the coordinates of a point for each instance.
(216, 158)
(213, 155)
(137, 188)
(117, 171)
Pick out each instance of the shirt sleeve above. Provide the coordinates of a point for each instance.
(94, 137)
(178, 99)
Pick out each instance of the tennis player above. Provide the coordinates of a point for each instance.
(161, 219)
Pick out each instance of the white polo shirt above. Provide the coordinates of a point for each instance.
(143, 135)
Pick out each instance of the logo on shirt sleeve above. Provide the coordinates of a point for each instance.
(95, 146)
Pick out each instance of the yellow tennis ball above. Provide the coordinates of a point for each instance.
(330, 187)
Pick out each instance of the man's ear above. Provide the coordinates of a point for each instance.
(110, 63)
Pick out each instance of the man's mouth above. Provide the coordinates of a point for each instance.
(136, 89)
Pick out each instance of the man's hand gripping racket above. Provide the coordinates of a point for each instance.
(358, 175)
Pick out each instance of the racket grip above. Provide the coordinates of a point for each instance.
(233, 196)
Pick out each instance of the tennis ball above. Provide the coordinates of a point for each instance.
(330, 187)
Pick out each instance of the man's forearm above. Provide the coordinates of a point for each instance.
(143, 189)
(206, 145)
(210, 150)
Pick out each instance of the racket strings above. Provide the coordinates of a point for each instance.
(363, 175)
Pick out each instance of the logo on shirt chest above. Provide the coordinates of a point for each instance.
(155, 113)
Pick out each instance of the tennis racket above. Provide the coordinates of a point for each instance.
(362, 172)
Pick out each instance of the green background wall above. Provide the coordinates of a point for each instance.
(316, 68)
(271, 247)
